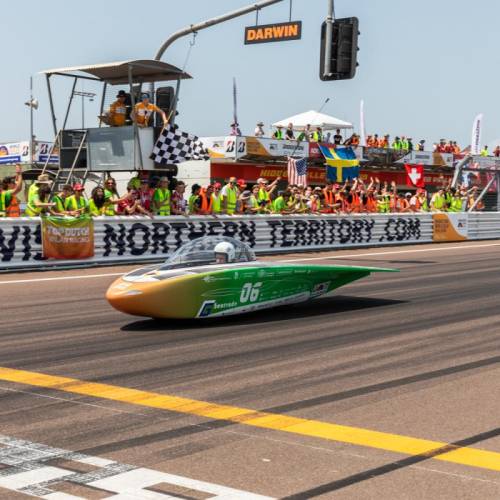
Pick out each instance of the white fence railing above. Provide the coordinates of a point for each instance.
(131, 239)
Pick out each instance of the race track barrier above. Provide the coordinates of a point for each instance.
(132, 239)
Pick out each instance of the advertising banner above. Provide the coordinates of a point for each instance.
(15, 152)
(428, 158)
(42, 151)
(450, 227)
(67, 238)
(271, 148)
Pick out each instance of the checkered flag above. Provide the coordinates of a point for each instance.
(174, 146)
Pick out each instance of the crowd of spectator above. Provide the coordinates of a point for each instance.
(165, 197)
(398, 143)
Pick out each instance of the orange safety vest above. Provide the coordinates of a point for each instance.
(13, 210)
(206, 204)
(371, 203)
(356, 203)
(329, 200)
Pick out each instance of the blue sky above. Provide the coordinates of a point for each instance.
(426, 68)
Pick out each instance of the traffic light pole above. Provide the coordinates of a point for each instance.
(329, 35)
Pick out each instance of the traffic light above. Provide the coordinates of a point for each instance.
(344, 49)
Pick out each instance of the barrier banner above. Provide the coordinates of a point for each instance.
(451, 227)
(67, 238)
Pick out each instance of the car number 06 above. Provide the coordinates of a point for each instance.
(250, 292)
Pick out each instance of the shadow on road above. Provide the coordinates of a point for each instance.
(321, 307)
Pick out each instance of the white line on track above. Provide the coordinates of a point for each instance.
(306, 259)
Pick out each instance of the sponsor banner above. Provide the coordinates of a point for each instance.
(475, 142)
(271, 148)
(427, 158)
(485, 163)
(67, 238)
(315, 175)
(450, 227)
(135, 238)
(277, 32)
(15, 152)
(42, 151)
(19, 152)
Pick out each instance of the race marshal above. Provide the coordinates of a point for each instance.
(279, 32)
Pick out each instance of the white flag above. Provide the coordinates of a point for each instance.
(362, 129)
(475, 143)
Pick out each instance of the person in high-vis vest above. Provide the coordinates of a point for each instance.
(112, 197)
(42, 180)
(8, 191)
(317, 135)
(279, 203)
(194, 202)
(266, 189)
(230, 197)
(216, 199)
(77, 203)
(60, 199)
(40, 203)
(278, 133)
(438, 201)
(97, 202)
(206, 200)
(162, 198)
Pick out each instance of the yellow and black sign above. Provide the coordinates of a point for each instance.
(279, 32)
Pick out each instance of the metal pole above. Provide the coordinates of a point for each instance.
(483, 192)
(212, 22)
(102, 102)
(32, 142)
(328, 40)
(137, 139)
(458, 169)
(83, 112)
(291, 6)
(51, 102)
(69, 103)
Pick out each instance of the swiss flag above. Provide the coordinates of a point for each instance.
(415, 175)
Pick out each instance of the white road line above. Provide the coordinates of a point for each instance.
(306, 259)
(58, 278)
(458, 247)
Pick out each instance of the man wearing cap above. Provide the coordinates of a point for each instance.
(259, 130)
(117, 114)
(77, 203)
(161, 198)
(42, 180)
(143, 111)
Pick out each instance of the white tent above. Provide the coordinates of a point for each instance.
(314, 119)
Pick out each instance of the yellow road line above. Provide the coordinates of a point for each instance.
(332, 432)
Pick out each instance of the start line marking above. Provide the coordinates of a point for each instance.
(407, 445)
(306, 259)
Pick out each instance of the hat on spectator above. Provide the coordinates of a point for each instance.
(217, 185)
(246, 195)
(121, 93)
(408, 194)
(78, 187)
(260, 124)
(43, 179)
(241, 182)
(261, 180)
(164, 179)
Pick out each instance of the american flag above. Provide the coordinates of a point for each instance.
(297, 171)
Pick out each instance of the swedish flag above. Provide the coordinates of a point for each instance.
(342, 164)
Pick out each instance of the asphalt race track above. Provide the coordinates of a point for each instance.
(388, 390)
